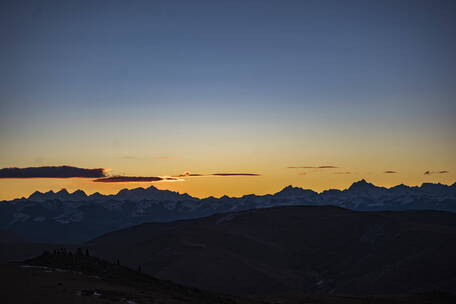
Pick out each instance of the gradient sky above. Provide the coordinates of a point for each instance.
(157, 88)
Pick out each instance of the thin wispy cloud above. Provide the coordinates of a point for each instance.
(143, 179)
(133, 157)
(52, 172)
(342, 172)
(312, 167)
(235, 174)
(390, 172)
(189, 174)
(134, 179)
(436, 172)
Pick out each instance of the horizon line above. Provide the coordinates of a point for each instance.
(199, 197)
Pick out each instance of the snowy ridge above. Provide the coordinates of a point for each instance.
(95, 214)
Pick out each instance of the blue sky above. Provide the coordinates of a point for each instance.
(213, 82)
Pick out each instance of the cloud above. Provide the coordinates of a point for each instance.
(312, 167)
(342, 172)
(390, 171)
(98, 173)
(51, 172)
(133, 157)
(436, 172)
(134, 179)
(189, 174)
(235, 174)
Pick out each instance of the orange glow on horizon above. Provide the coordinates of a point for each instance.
(205, 186)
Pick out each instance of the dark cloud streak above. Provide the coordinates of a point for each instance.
(428, 172)
(133, 179)
(235, 174)
(188, 174)
(51, 172)
(313, 167)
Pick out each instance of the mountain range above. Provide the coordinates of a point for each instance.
(63, 217)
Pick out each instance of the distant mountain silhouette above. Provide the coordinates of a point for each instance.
(136, 194)
(364, 186)
(298, 248)
(63, 217)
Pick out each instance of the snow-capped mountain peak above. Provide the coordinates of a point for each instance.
(99, 213)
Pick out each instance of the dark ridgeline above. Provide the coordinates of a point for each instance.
(141, 285)
(298, 248)
(78, 277)
(64, 217)
(82, 261)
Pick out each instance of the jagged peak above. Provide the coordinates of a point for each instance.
(290, 187)
(400, 186)
(362, 182)
(431, 184)
(290, 190)
(124, 190)
(361, 185)
(63, 191)
(36, 194)
(79, 192)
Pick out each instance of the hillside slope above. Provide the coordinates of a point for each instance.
(309, 249)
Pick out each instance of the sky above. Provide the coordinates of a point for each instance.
(166, 90)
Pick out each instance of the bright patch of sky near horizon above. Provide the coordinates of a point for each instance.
(154, 88)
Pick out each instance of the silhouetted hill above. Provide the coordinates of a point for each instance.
(284, 249)
(63, 276)
(81, 261)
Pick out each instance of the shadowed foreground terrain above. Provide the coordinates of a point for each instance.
(64, 277)
(295, 249)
